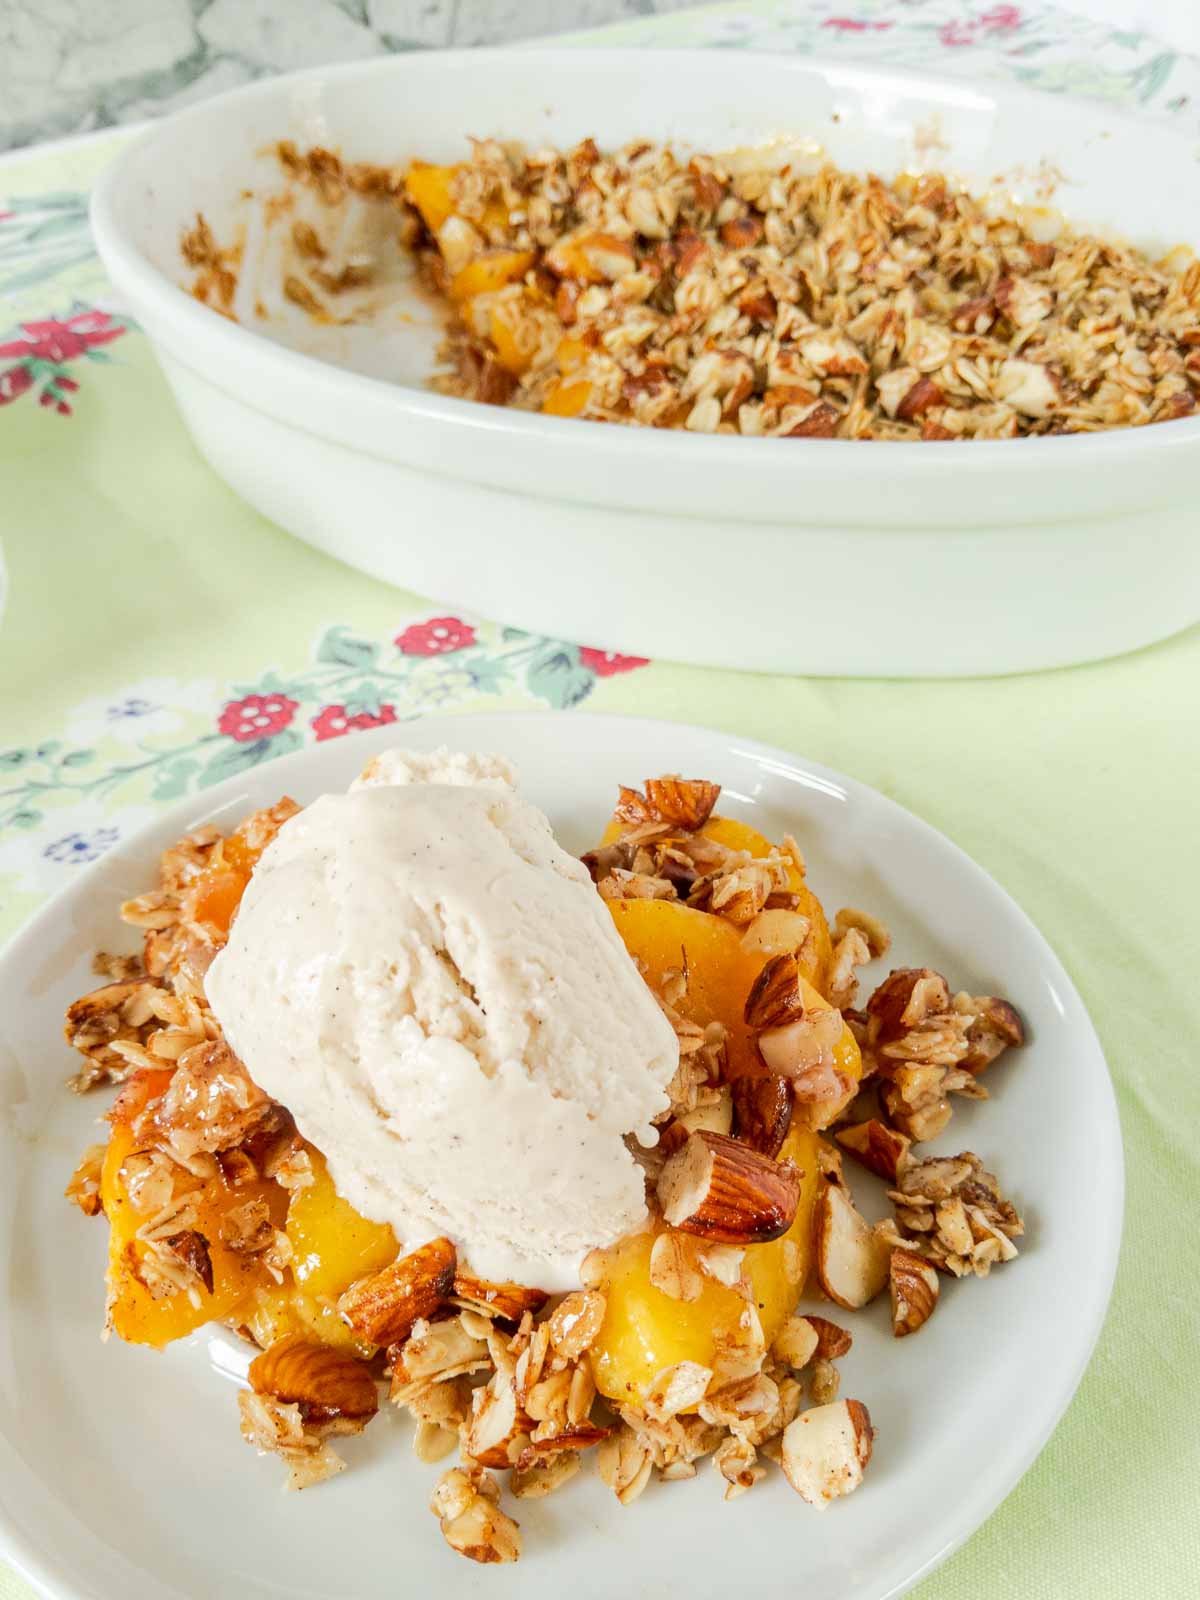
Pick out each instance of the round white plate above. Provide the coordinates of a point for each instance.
(122, 1473)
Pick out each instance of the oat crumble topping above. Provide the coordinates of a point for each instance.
(748, 294)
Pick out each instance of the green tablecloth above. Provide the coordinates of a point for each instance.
(159, 635)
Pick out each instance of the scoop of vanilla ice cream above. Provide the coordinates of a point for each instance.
(436, 992)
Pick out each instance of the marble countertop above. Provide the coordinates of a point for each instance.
(72, 66)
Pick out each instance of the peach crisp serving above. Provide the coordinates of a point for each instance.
(685, 1338)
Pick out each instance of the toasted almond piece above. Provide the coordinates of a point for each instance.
(673, 1271)
(762, 1111)
(496, 1419)
(850, 951)
(997, 1025)
(823, 1382)
(325, 1383)
(713, 1111)
(576, 1322)
(677, 1388)
(832, 1341)
(776, 932)
(906, 997)
(851, 1260)
(737, 1462)
(878, 938)
(753, 1396)
(721, 1262)
(472, 1522)
(670, 800)
(742, 233)
(915, 1288)
(382, 1308)
(509, 1301)
(721, 1189)
(775, 998)
(826, 1450)
(796, 1343)
(579, 1436)
(881, 1149)
(191, 1248)
(612, 258)
(802, 1050)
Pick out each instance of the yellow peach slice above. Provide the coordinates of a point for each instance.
(429, 189)
(491, 270)
(134, 1313)
(332, 1244)
(645, 1330)
(567, 399)
(817, 953)
(721, 973)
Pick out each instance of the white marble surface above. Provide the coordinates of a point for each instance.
(67, 66)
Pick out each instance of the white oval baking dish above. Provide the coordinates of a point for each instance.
(805, 556)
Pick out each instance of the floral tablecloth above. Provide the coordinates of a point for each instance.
(159, 636)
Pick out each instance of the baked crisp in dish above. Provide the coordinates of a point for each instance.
(755, 293)
(684, 1338)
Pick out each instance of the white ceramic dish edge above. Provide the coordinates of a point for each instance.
(1042, 528)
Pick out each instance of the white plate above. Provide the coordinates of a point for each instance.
(1017, 549)
(122, 1473)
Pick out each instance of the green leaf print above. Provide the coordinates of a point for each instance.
(235, 758)
(175, 778)
(557, 677)
(340, 645)
(364, 697)
(489, 676)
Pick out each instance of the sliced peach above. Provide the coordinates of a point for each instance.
(217, 895)
(567, 399)
(332, 1244)
(429, 189)
(135, 1315)
(491, 270)
(721, 973)
(817, 955)
(275, 1312)
(217, 891)
(570, 354)
(645, 1330)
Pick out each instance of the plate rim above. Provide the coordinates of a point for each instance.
(47, 1575)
